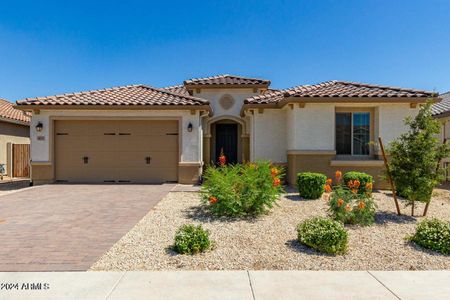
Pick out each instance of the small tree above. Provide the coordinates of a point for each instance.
(415, 158)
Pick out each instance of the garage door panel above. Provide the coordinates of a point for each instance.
(99, 174)
(116, 150)
(89, 174)
(158, 159)
(141, 127)
(142, 175)
(102, 159)
(86, 143)
(147, 143)
(85, 127)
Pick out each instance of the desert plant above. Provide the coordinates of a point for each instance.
(415, 157)
(365, 180)
(347, 204)
(324, 235)
(191, 239)
(311, 185)
(433, 234)
(242, 189)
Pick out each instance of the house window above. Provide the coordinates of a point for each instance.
(352, 133)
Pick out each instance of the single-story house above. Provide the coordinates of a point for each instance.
(441, 111)
(139, 133)
(14, 129)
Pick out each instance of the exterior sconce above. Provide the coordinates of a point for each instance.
(39, 127)
(190, 127)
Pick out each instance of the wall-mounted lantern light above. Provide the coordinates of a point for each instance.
(39, 127)
(190, 127)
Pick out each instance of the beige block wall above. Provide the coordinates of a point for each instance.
(42, 173)
(189, 174)
(14, 134)
(321, 163)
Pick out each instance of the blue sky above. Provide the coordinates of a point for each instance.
(58, 47)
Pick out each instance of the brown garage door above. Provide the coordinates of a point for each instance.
(116, 151)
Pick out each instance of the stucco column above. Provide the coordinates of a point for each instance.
(245, 148)
(206, 149)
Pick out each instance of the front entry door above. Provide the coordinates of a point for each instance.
(227, 139)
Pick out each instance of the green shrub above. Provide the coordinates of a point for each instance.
(365, 180)
(433, 234)
(311, 185)
(349, 207)
(241, 189)
(324, 235)
(191, 239)
(414, 157)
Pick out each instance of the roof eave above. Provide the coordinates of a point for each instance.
(442, 115)
(248, 106)
(293, 99)
(32, 107)
(18, 122)
(287, 100)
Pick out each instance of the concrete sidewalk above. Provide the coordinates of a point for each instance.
(227, 285)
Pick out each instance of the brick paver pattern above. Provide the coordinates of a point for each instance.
(68, 227)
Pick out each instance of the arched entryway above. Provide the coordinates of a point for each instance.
(227, 134)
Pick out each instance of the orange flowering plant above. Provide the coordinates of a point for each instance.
(242, 189)
(348, 204)
(359, 181)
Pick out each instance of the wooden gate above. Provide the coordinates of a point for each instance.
(21, 160)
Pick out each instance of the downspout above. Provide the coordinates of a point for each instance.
(252, 156)
(201, 116)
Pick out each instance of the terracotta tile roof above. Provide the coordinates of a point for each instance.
(131, 95)
(8, 112)
(177, 89)
(442, 108)
(337, 89)
(226, 79)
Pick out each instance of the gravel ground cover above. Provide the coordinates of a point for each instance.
(269, 242)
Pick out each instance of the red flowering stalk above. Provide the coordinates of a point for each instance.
(222, 158)
(276, 181)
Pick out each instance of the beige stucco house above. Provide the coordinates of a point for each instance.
(144, 134)
(14, 129)
(441, 111)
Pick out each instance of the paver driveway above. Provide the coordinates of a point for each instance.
(68, 227)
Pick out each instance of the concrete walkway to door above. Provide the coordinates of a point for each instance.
(68, 227)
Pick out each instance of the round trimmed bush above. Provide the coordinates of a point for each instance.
(191, 239)
(324, 235)
(433, 234)
(363, 179)
(311, 185)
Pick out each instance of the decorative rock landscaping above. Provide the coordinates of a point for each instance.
(270, 241)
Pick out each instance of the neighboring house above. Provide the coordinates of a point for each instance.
(441, 111)
(14, 129)
(143, 134)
